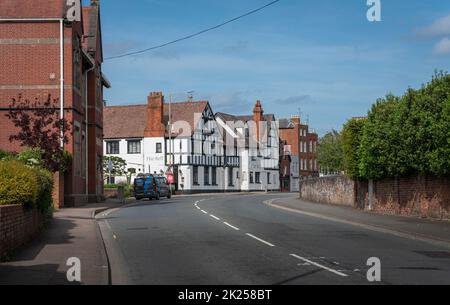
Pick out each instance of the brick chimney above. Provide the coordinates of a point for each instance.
(295, 119)
(258, 117)
(155, 116)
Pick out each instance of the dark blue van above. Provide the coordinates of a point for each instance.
(151, 187)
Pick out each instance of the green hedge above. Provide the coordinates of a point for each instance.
(408, 134)
(45, 191)
(351, 141)
(20, 184)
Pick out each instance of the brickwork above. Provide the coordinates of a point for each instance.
(418, 196)
(17, 226)
(329, 190)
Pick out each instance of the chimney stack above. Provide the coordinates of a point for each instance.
(155, 116)
(295, 119)
(258, 117)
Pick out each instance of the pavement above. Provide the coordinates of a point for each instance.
(73, 232)
(247, 240)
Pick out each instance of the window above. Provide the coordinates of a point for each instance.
(158, 148)
(214, 175)
(112, 148)
(195, 175)
(206, 175)
(134, 147)
(251, 178)
(258, 178)
(268, 178)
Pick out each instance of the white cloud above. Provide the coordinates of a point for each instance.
(440, 27)
(442, 47)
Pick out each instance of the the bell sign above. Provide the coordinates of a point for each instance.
(73, 10)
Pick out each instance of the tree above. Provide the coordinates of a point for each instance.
(40, 128)
(118, 166)
(409, 134)
(351, 141)
(330, 153)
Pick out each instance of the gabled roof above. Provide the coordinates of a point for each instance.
(130, 121)
(285, 124)
(92, 30)
(244, 118)
(32, 9)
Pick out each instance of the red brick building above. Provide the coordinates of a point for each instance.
(300, 149)
(52, 47)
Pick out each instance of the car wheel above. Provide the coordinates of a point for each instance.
(157, 197)
(138, 198)
(169, 196)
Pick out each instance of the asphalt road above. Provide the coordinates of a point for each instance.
(237, 240)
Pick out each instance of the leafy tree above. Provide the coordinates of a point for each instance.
(330, 153)
(351, 141)
(409, 134)
(118, 166)
(40, 127)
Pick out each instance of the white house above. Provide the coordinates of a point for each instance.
(195, 150)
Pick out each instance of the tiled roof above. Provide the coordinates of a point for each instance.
(32, 9)
(130, 121)
(244, 118)
(285, 124)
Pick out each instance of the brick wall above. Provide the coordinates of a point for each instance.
(17, 226)
(420, 196)
(330, 190)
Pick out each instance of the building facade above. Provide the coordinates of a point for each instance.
(300, 149)
(188, 140)
(54, 48)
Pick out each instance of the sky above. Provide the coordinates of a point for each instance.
(320, 58)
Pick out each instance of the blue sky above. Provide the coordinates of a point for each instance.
(321, 56)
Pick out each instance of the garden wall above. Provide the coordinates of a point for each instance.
(420, 196)
(18, 225)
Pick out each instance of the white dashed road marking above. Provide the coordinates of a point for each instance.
(231, 226)
(216, 218)
(319, 265)
(260, 240)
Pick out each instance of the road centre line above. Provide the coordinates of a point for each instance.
(215, 217)
(260, 240)
(319, 265)
(231, 226)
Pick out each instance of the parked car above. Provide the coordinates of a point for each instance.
(151, 187)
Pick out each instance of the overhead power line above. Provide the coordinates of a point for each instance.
(195, 34)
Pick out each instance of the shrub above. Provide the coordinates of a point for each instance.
(351, 141)
(6, 155)
(31, 157)
(45, 190)
(18, 184)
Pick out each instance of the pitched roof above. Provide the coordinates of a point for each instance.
(91, 24)
(130, 121)
(285, 124)
(244, 118)
(30, 9)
